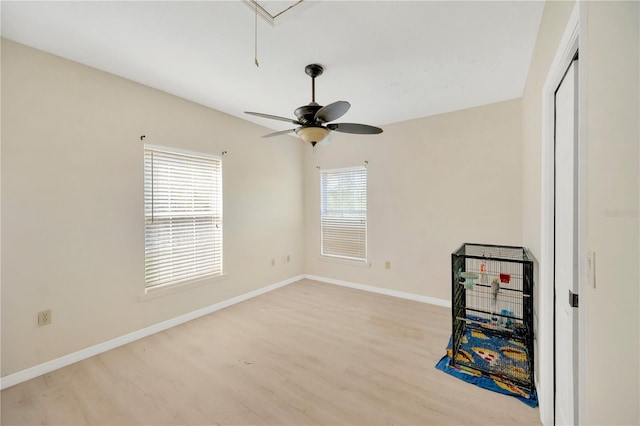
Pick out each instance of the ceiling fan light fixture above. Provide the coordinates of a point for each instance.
(312, 134)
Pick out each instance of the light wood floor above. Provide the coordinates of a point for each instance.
(308, 353)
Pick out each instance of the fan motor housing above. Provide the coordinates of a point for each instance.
(306, 114)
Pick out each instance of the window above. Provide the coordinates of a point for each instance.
(182, 216)
(343, 213)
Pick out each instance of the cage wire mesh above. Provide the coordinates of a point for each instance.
(501, 304)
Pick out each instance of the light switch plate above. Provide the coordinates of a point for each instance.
(591, 268)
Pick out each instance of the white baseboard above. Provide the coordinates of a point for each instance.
(63, 361)
(380, 290)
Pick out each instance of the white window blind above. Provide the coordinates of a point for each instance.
(183, 216)
(343, 217)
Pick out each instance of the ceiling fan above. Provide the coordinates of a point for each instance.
(313, 119)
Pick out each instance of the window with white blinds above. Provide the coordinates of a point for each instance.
(343, 213)
(182, 216)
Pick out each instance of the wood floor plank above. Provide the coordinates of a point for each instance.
(307, 353)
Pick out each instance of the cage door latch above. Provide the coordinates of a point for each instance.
(573, 299)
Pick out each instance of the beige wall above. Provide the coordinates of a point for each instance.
(433, 183)
(613, 138)
(72, 216)
(613, 142)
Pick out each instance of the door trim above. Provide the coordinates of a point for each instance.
(573, 39)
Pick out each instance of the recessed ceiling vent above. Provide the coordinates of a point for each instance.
(275, 12)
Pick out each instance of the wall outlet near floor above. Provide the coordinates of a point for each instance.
(387, 264)
(273, 262)
(44, 317)
(288, 258)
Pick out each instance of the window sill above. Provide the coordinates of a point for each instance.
(349, 262)
(153, 293)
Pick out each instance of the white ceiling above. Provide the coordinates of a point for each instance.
(392, 60)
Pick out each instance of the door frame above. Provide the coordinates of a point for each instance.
(573, 39)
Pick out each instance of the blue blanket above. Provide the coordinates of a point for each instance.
(479, 348)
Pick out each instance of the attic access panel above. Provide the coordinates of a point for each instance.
(275, 12)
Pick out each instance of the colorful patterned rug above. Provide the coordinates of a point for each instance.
(479, 348)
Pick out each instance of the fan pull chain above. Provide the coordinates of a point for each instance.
(255, 2)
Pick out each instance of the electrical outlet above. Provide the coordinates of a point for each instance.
(387, 264)
(273, 262)
(44, 317)
(288, 258)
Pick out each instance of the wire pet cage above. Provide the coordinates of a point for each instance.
(492, 312)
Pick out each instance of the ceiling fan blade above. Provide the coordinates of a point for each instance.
(273, 117)
(281, 132)
(360, 129)
(332, 111)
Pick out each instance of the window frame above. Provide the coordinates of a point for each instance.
(362, 206)
(188, 229)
